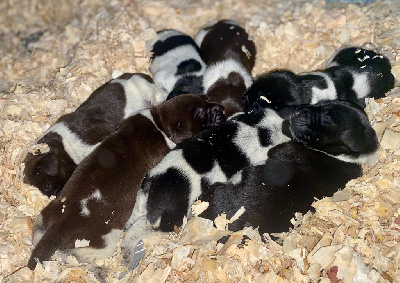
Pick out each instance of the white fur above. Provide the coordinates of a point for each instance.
(328, 93)
(164, 67)
(222, 69)
(96, 196)
(161, 36)
(73, 145)
(38, 232)
(200, 36)
(88, 254)
(202, 33)
(148, 115)
(236, 178)
(361, 85)
(140, 94)
(247, 138)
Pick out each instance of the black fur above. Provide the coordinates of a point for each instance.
(280, 88)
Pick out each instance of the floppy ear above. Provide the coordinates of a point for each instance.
(360, 140)
(48, 165)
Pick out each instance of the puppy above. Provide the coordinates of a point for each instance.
(340, 81)
(219, 155)
(98, 199)
(176, 63)
(77, 134)
(230, 56)
(215, 155)
(368, 67)
(329, 151)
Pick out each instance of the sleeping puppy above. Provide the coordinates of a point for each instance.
(215, 155)
(230, 56)
(348, 77)
(77, 134)
(176, 64)
(88, 217)
(219, 155)
(317, 165)
(368, 67)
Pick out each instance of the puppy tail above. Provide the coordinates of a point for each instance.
(45, 248)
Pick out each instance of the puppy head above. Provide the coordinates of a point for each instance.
(337, 128)
(274, 90)
(46, 172)
(187, 114)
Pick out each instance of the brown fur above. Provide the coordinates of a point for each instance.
(91, 122)
(116, 169)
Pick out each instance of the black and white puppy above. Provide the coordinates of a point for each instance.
(176, 63)
(88, 217)
(196, 167)
(77, 134)
(329, 150)
(218, 154)
(348, 77)
(229, 54)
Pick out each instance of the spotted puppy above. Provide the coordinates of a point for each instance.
(230, 56)
(77, 134)
(218, 154)
(176, 63)
(88, 217)
(332, 141)
(352, 74)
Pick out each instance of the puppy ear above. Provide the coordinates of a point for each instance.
(48, 165)
(361, 139)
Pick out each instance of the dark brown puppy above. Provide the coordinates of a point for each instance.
(230, 56)
(88, 217)
(76, 134)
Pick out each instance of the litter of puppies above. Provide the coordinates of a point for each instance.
(353, 235)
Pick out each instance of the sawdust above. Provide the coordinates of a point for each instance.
(54, 54)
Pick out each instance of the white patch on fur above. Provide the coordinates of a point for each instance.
(38, 230)
(96, 196)
(164, 67)
(215, 175)
(364, 159)
(140, 209)
(161, 36)
(361, 85)
(73, 145)
(247, 137)
(175, 159)
(147, 114)
(88, 254)
(140, 94)
(328, 93)
(200, 36)
(222, 69)
(236, 178)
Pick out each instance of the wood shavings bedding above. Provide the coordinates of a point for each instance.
(54, 55)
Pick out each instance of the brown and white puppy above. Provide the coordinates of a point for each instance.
(77, 134)
(88, 217)
(230, 54)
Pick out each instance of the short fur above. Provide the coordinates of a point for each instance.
(176, 63)
(296, 173)
(230, 56)
(98, 199)
(77, 134)
(217, 156)
(348, 77)
(226, 39)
